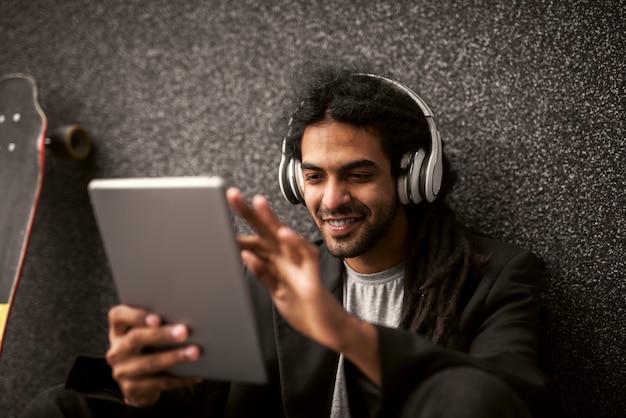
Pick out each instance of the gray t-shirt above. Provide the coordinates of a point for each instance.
(375, 298)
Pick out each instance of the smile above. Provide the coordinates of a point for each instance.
(340, 222)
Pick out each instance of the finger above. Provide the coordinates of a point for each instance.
(146, 391)
(255, 244)
(290, 239)
(300, 256)
(259, 268)
(266, 214)
(242, 209)
(264, 223)
(295, 245)
(145, 365)
(138, 339)
(236, 201)
(124, 317)
(289, 235)
(141, 400)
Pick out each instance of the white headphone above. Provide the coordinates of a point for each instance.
(424, 168)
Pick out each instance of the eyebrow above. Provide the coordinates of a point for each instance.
(348, 166)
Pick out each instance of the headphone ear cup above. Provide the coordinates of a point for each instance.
(403, 195)
(287, 180)
(409, 183)
(432, 169)
(292, 187)
(297, 181)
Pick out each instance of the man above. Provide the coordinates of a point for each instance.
(399, 312)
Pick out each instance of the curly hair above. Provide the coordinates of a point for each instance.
(442, 261)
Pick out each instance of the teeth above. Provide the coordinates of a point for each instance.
(340, 222)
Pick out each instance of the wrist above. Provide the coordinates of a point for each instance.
(357, 337)
(359, 345)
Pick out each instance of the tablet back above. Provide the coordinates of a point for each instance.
(172, 250)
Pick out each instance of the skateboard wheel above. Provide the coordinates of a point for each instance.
(71, 141)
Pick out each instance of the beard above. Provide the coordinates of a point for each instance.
(367, 236)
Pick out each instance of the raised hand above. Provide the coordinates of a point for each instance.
(289, 266)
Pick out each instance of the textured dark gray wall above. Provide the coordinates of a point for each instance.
(529, 96)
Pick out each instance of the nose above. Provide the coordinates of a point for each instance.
(336, 195)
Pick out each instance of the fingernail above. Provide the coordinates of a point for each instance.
(152, 320)
(191, 352)
(285, 231)
(258, 199)
(179, 332)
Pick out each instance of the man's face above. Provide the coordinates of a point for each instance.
(350, 192)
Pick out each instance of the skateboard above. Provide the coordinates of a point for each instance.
(23, 144)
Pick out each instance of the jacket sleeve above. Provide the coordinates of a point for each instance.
(503, 326)
(91, 378)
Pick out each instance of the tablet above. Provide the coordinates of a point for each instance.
(171, 246)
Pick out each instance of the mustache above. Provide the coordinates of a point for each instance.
(353, 210)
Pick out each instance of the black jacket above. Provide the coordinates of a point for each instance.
(499, 333)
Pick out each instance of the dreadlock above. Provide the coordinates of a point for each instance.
(442, 261)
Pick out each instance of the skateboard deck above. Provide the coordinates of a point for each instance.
(23, 127)
(22, 157)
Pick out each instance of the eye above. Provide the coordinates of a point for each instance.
(312, 178)
(360, 177)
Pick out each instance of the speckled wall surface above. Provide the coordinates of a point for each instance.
(528, 95)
